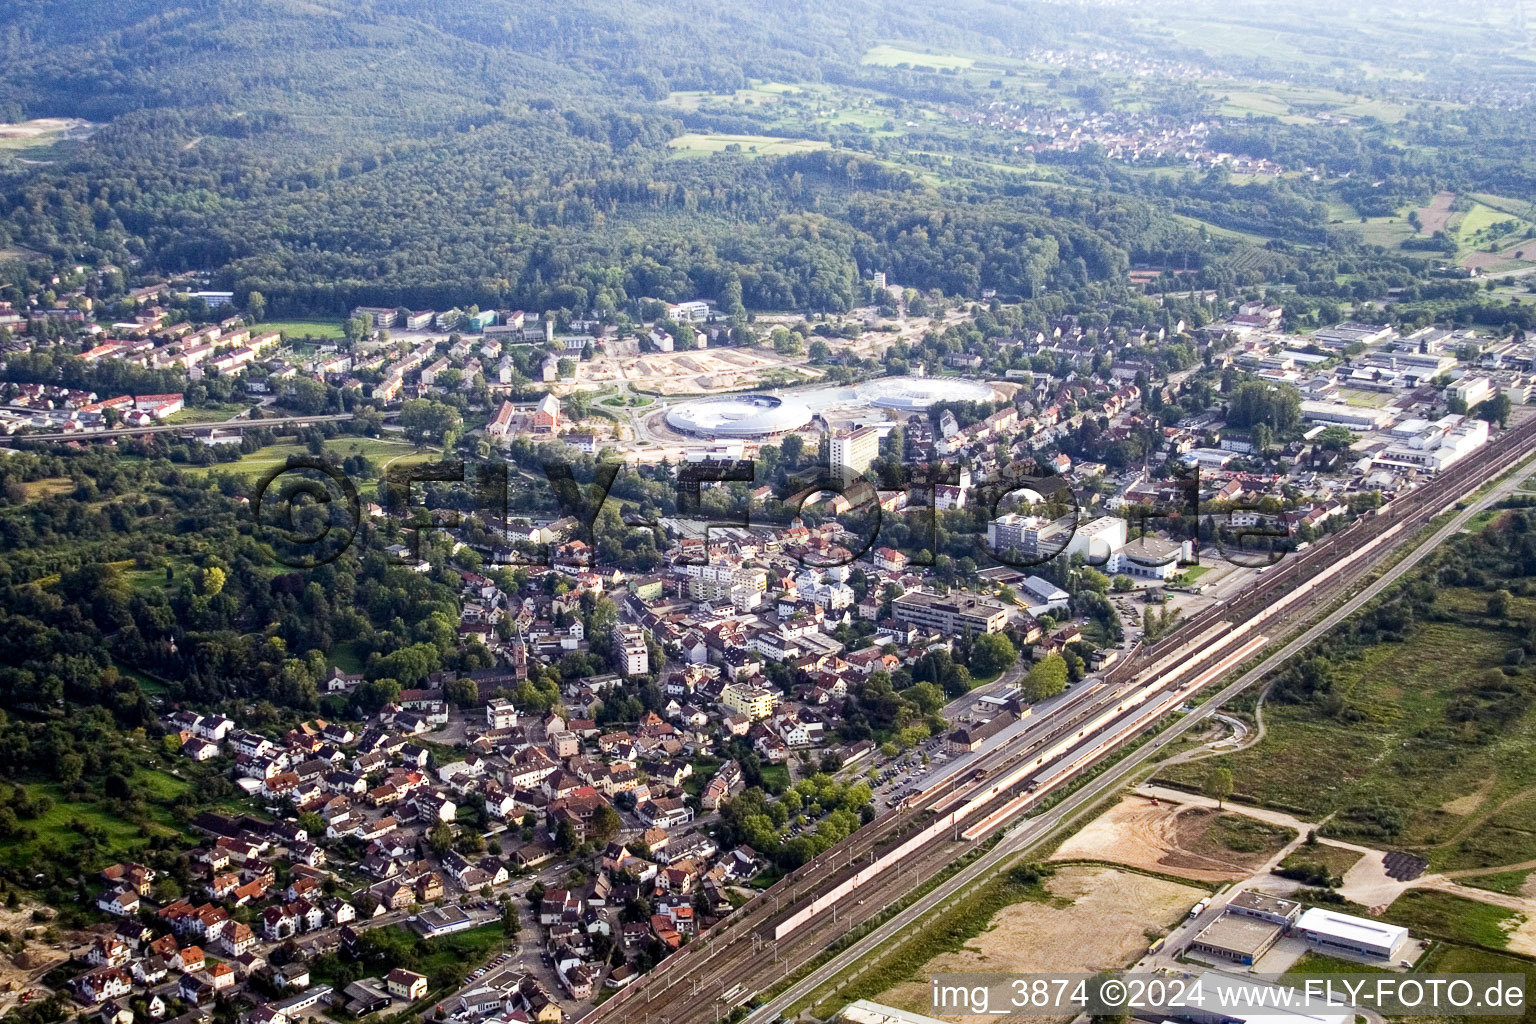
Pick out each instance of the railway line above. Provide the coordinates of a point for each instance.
(877, 866)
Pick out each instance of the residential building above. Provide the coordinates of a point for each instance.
(955, 614)
(852, 452)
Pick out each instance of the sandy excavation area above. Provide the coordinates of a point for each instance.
(1099, 919)
(20, 971)
(1160, 837)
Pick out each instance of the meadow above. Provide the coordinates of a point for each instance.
(1463, 806)
(703, 144)
(290, 329)
(380, 451)
(895, 56)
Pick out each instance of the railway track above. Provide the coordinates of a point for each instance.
(744, 953)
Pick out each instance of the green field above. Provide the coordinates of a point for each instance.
(207, 414)
(755, 95)
(290, 329)
(1446, 958)
(1512, 883)
(700, 144)
(1217, 231)
(380, 452)
(628, 401)
(1336, 859)
(1364, 399)
(1485, 225)
(114, 837)
(347, 657)
(1296, 105)
(48, 487)
(894, 56)
(775, 777)
(1463, 805)
(1443, 916)
(1249, 835)
(1313, 962)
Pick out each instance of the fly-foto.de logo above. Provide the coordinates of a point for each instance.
(309, 512)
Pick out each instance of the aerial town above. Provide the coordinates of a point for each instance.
(765, 513)
(599, 834)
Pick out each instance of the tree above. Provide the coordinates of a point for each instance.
(1335, 439)
(992, 653)
(69, 768)
(1218, 784)
(212, 581)
(1047, 678)
(440, 839)
(1117, 1010)
(305, 394)
(462, 692)
(1498, 604)
(256, 307)
(1495, 410)
(605, 823)
(427, 422)
(1263, 437)
(1278, 406)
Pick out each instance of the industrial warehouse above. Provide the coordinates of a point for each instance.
(1252, 922)
(1356, 935)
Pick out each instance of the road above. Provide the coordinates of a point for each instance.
(1023, 837)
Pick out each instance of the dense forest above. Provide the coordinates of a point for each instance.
(516, 155)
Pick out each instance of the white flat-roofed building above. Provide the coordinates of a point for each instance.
(1030, 536)
(1260, 1005)
(696, 311)
(1361, 936)
(1350, 416)
(1351, 332)
(1274, 909)
(865, 1012)
(1208, 458)
(1099, 539)
(1471, 390)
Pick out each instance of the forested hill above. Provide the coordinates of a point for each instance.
(512, 153)
(421, 61)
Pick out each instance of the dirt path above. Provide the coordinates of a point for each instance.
(1254, 737)
(1525, 865)
(1472, 821)
(1522, 939)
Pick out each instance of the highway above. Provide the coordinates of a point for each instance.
(760, 944)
